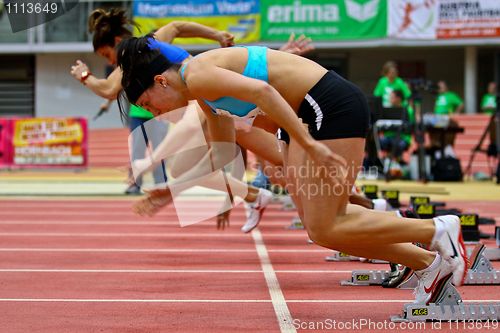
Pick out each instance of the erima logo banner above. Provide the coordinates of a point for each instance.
(361, 12)
(299, 12)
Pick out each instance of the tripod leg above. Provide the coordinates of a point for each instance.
(477, 148)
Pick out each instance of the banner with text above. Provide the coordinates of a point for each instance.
(444, 19)
(5, 143)
(239, 17)
(49, 142)
(324, 20)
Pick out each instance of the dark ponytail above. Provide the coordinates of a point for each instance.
(107, 25)
(139, 63)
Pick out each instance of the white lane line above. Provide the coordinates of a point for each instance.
(144, 223)
(183, 271)
(147, 234)
(83, 222)
(54, 270)
(285, 319)
(125, 212)
(341, 301)
(114, 250)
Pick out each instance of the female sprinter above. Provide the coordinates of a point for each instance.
(109, 28)
(323, 157)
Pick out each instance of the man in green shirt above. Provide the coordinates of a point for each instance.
(156, 132)
(447, 102)
(390, 82)
(489, 100)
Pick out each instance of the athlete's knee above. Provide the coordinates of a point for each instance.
(322, 232)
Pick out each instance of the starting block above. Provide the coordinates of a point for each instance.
(296, 224)
(425, 211)
(287, 203)
(470, 227)
(481, 271)
(370, 191)
(414, 201)
(370, 278)
(448, 305)
(392, 197)
(494, 254)
(341, 256)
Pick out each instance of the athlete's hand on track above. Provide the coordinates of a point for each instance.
(152, 202)
(223, 220)
(298, 46)
(141, 166)
(78, 69)
(225, 39)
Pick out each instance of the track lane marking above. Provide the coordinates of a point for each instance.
(164, 250)
(281, 310)
(42, 270)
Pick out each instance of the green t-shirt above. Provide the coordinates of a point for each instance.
(447, 103)
(489, 103)
(385, 87)
(138, 112)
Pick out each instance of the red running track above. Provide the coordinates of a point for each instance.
(92, 266)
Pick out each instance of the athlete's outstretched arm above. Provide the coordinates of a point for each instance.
(183, 29)
(110, 87)
(106, 88)
(299, 46)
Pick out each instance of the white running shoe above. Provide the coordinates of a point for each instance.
(255, 209)
(431, 283)
(451, 247)
(381, 205)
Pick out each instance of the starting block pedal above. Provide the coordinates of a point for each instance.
(377, 277)
(287, 203)
(448, 305)
(481, 271)
(370, 191)
(296, 224)
(341, 256)
(418, 200)
(392, 197)
(494, 254)
(366, 278)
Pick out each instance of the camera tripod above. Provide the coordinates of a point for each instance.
(493, 125)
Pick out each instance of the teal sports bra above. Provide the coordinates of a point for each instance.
(256, 68)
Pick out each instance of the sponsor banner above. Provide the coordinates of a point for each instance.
(324, 20)
(5, 143)
(239, 17)
(468, 19)
(57, 142)
(413, 19)
(444, 19)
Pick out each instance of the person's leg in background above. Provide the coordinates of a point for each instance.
(137, 150)
(156, 131)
